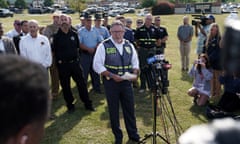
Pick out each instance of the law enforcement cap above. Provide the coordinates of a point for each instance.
(98, 16)
(87, 16)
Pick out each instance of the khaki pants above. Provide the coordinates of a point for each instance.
(185, 48)
(215, 84)
(54, 78)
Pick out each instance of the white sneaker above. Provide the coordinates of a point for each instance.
(141, 91)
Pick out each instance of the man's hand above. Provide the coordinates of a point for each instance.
(91, 50)
(134, 79)
(117, 78)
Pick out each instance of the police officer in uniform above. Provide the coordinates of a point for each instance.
(147, 39)
(113, 58)
(163, 34)
(49, 31)
(66, 50)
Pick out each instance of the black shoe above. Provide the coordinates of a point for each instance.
(133, 141)
(195, 100)
(71, 109)
(98, 91)
(90, 108)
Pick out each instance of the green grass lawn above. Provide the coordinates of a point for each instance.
(83, 127)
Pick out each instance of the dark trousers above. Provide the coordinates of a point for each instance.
(74, 70)
(229, 102)
(143, 55)
(121, 93)
(86, 62)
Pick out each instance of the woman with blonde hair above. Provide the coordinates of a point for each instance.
(213, 50)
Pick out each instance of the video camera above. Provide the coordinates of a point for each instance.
(158, 74)
(201, 19)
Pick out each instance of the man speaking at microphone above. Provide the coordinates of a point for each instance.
(116, 60)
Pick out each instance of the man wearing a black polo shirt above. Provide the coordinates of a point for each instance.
(66, 50)
(147, 40)
(163, 34)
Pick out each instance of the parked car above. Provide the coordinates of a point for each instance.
(142, 12)
(15, 10)
(229, 10)
(6, 13)
(113, 13)
(130, 10)
(66, 10)
(35, 10)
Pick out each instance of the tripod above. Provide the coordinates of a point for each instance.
(158, 94)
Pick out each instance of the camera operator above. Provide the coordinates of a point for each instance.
(147, 40)
(201, 31)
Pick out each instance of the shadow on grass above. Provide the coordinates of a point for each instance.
(143, 106)
(186, 77)
(65, 122)
(199, 112)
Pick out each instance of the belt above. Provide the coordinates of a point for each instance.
(152, 49)
(68, 61)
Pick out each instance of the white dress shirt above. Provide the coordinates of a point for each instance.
(2, 46)
(99, 58)
(12, 33)
(36, 49)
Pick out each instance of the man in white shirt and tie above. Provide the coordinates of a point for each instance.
(16, 31)
(35, 46)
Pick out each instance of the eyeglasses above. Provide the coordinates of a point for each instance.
(158, 20)
(117, 31)
(139, 22)
(18, 24)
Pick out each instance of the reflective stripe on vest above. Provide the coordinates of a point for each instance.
(116, 63)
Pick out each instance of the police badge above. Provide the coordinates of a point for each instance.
(153, 29)
(127, 48)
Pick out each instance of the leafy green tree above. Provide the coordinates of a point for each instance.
(3, 4)
(48, 2)
(77, 5)
(20, 4)
(148, 3)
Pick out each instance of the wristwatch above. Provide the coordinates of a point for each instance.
(110, 75)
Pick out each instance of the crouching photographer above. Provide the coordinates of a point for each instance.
(202, 76)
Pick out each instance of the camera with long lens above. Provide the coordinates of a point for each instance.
(159, 72)
(201, 19)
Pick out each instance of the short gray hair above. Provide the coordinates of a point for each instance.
(117, 23)
(34, 21)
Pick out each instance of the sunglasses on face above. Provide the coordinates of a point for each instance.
(139, 22)
(18, 24)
